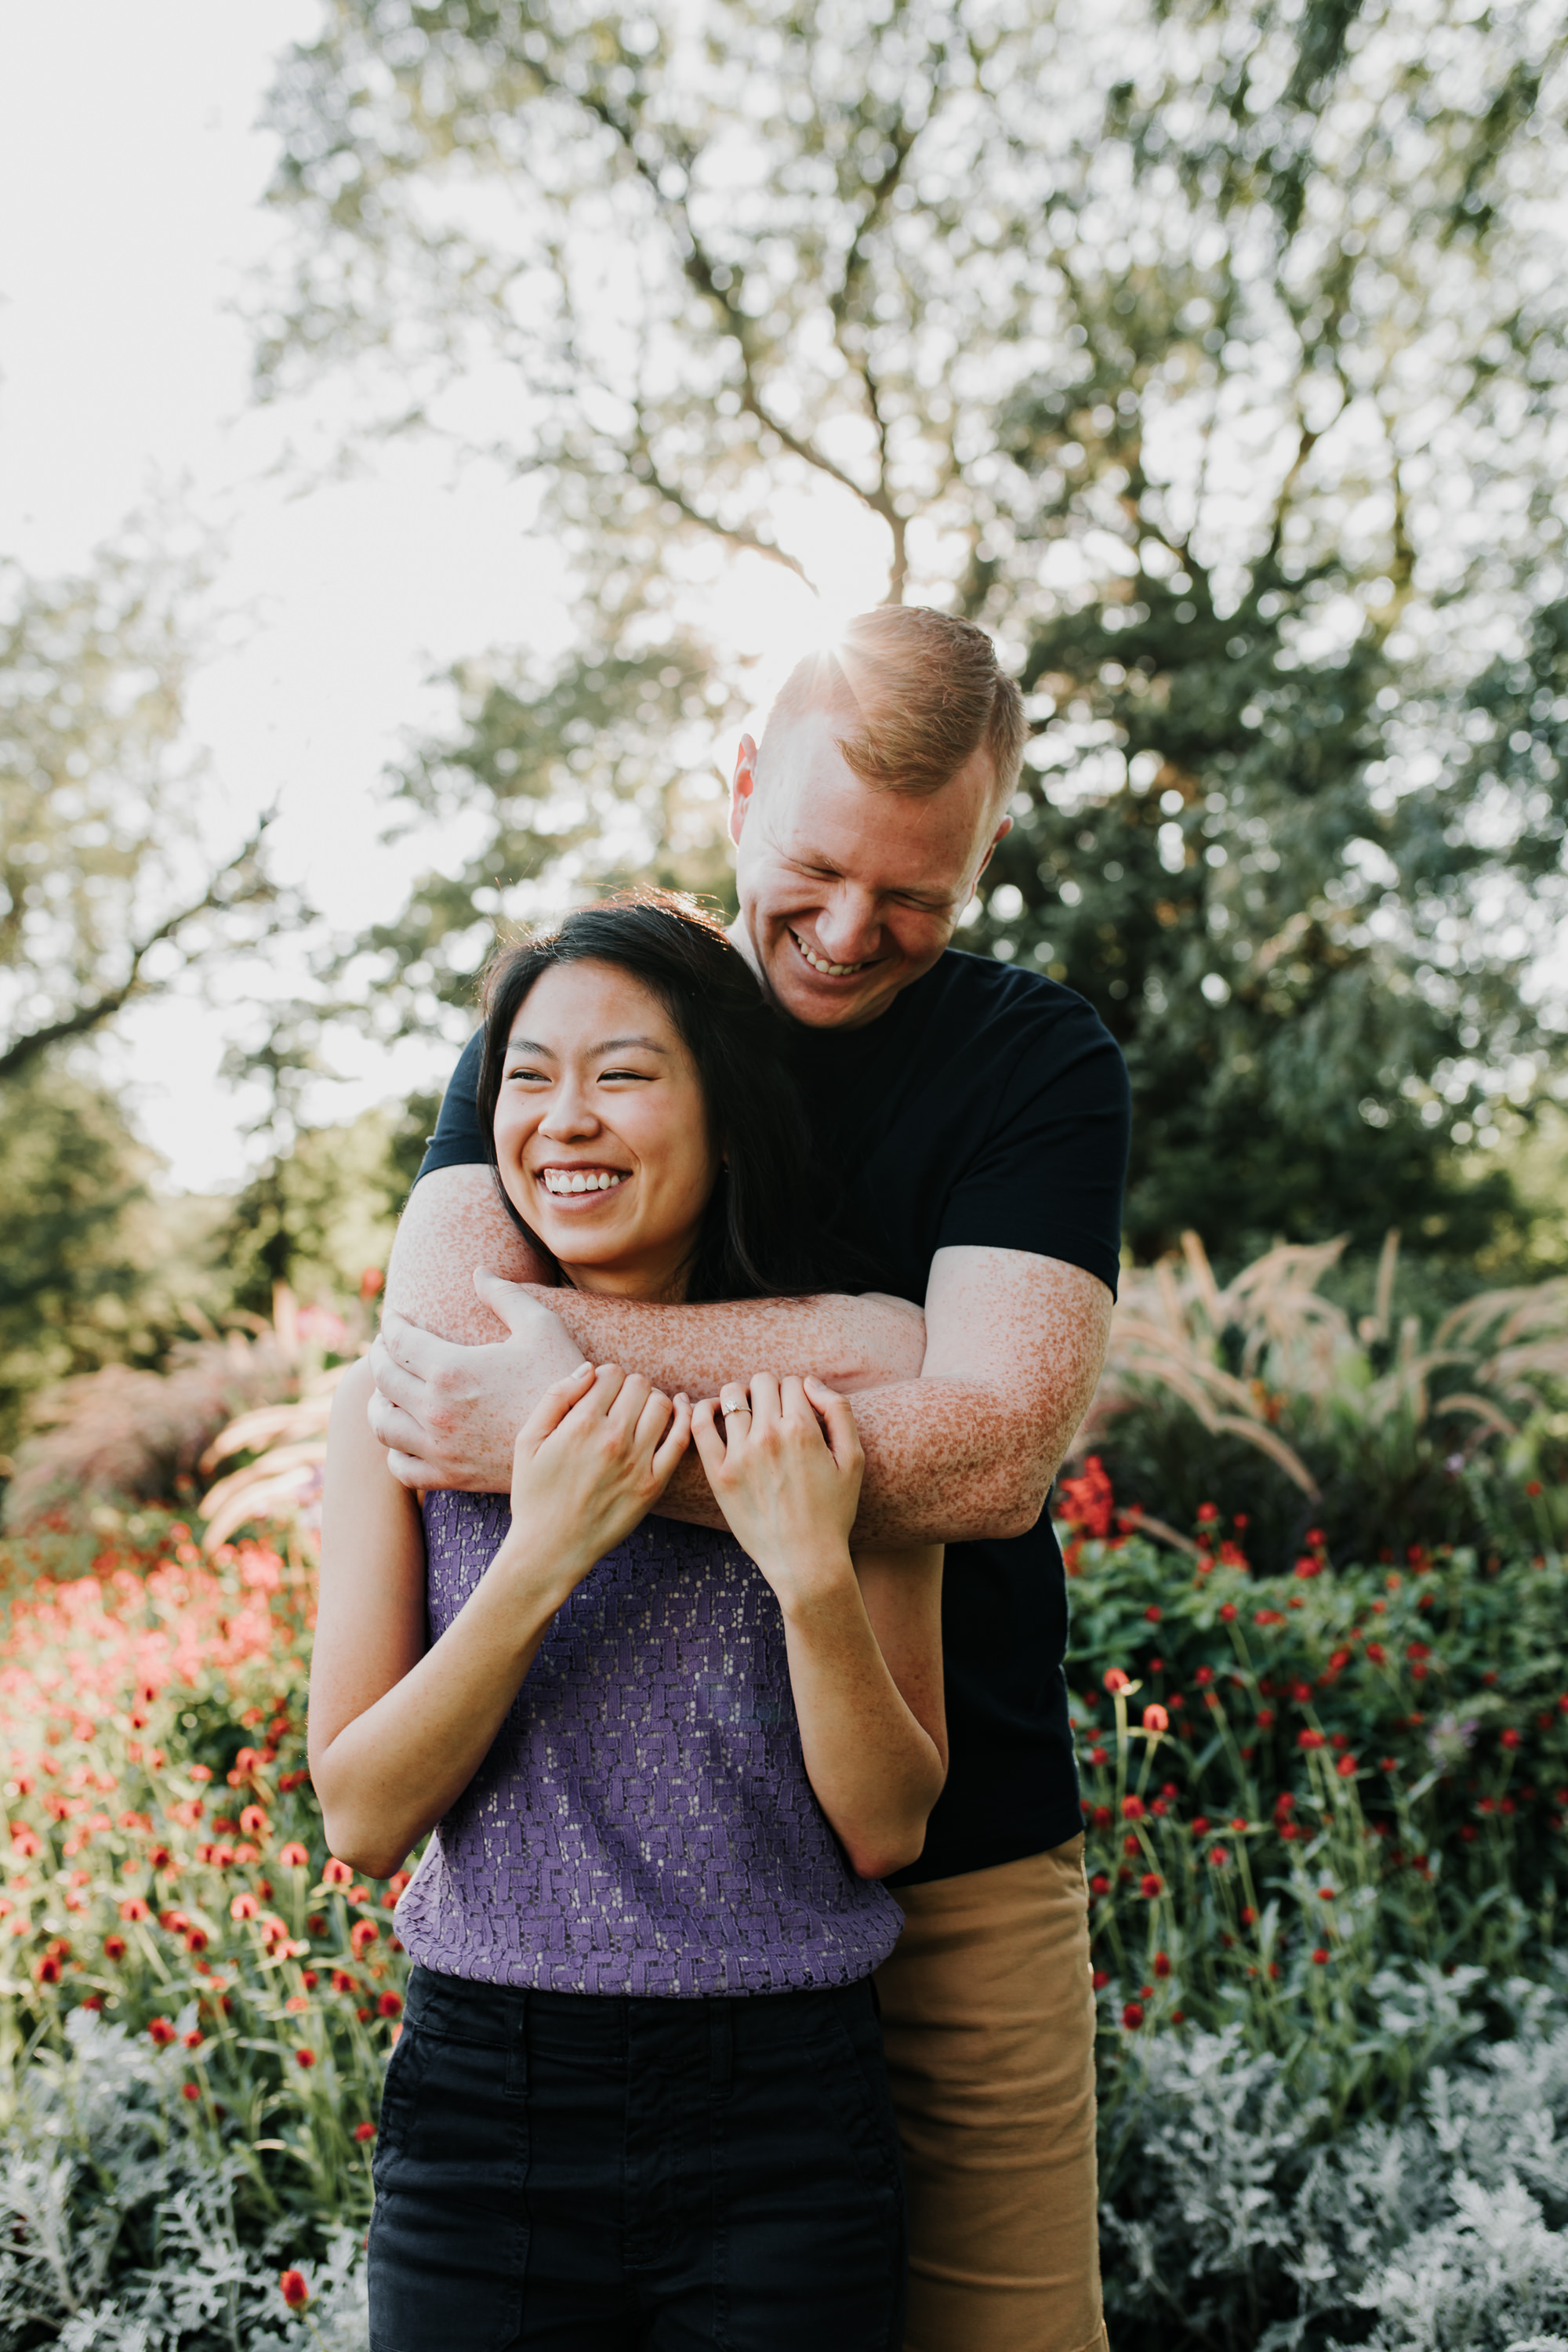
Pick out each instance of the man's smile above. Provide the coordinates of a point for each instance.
(832, 970)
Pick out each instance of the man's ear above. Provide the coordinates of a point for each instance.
(1003, 830)
(742, 785)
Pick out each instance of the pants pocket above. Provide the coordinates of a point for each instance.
(852, 2084)
(449, 2242)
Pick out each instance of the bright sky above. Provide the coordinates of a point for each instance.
(130, 174)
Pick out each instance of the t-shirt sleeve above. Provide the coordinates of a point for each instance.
(1049, 1175)
(459, 1140)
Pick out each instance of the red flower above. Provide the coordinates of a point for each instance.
(1199, 1825)
(1218, 1857)
(1098, 1886)
(1265, 1718)
(193, 2039)
(133, 1908)
(1376, 1652)
(1088, 1502)
(1115, 1680)
(1162, 1964)
(390, 2004)
(1510, 1739)
(363, 1932)
(1155, 1717)
(1320, 1957)
(1203, 1676)
(1346, 1767)
(293, 1856)
(1207, 1514)
(305, 2058)
(292, 2288)
(1228, 1612)
(46, 1970)
(161, 2032)
(1132, 2015)
(1101, 1979)
(114, 1947)
(1310, 1740)
(190, 2090)
(244, 1907)
(365, 2131)
(337, 1873)
(1148, 1886)
(1132, 1808)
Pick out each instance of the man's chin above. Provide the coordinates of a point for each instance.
(822, 1003)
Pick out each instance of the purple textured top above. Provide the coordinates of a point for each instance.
(642, 1823)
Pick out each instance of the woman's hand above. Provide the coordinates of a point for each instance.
(591, 1460)
(785, 1463)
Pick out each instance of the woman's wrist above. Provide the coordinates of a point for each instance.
(530, 1569)
(807, 1583)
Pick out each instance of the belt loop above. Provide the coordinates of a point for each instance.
(721, 2048)
(517, 2047)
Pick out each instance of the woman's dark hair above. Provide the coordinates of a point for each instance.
(758, 1238)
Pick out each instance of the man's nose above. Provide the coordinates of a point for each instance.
(848, 926)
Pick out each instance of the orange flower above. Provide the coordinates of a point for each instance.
(293, 1856)
(161, 2032)
(244, 1907)
(1155, 1717)
(133, 1908)
(363, 1933)
(337, 1873)
(292, 2288)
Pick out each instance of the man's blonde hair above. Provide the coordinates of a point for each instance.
(915, 693)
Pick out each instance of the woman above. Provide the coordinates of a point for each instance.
(638, 2099)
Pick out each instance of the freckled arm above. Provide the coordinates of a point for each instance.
(967, 1449)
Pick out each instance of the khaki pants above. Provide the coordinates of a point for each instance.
(988, 2019)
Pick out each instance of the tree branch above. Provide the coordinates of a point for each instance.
(737, 534)
(94, 1011)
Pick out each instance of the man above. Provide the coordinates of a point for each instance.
(975, 1120)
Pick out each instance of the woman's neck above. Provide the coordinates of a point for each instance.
(660, 1286)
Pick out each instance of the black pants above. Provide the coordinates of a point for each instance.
(604, 2175)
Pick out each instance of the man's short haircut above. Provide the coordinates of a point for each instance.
(916, 694)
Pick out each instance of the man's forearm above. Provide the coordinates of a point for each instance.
(945, 1463)
(853, 1344)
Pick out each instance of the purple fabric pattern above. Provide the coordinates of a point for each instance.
(642, 1823)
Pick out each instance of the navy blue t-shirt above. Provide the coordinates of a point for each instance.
(986, 1106)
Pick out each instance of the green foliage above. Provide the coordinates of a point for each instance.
(322, 1214)
(584, 777)
(94, 1266)
(1355, 1765)
(1384, 1424)
(1211, 355)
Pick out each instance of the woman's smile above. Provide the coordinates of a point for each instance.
(588, 1181)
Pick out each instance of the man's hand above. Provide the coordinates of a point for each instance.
(449, 1416)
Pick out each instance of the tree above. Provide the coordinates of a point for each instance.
(1211, 355)
(99, 869)
(104, 896)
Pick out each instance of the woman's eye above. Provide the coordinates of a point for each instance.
(606, 1076)
(523, 1072)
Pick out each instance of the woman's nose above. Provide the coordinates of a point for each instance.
(569, 1114)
